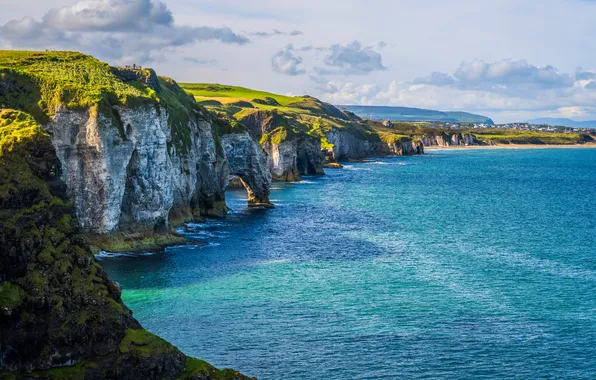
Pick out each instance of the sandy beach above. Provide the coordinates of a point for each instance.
(513, 146)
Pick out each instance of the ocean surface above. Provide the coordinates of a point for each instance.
(462, 264)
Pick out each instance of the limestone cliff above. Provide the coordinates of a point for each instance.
(60, 315)
(292, 152)
(248, 161)
(346, 145)
(295, 157)
(138, 153)
(126, 173)
(449, 139)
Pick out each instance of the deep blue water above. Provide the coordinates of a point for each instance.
(459, 264)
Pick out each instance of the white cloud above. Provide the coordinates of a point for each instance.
(286, 62)
(508, 89)
(354, 58)
(114, 29)
(505, 76)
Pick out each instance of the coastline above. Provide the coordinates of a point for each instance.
(513, 146)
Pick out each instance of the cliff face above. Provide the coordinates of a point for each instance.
(293, 158)
(445, 139)
(60, 315)
(130, 178)
(346, 145)
(291, 154)
(406, 147)
(248, 161)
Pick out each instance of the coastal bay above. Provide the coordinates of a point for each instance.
(413, 267)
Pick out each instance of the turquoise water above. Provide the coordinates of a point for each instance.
(458, 264)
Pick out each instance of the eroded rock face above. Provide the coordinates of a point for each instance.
(60, 314)
(402, 148)
(348, 146)
(444, 140)
(125, 174)
(283, 160)
(247, 160)
(309, 157)
(293, 158)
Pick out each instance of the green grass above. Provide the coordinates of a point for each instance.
(39, 82)
(16, 127)
(195, 368)
(75, 372)
(230, 94)
(507, 136)
(145, 344)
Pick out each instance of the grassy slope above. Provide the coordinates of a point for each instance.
(507, 136)
(230, 94)
(315, 117)
(289, 116)
(37, 82)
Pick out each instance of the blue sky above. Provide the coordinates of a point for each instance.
(510, 60)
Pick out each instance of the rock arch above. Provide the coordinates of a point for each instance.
(248, 161)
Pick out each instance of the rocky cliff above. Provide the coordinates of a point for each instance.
(248, 161)
(138, 153)
(346, 145)
(449, 139)
(127, 173)
(299, 155)
(60, 315)
(292, 152)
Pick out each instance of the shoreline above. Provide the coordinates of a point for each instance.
(513, 146)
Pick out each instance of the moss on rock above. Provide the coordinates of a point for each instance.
(61, 316)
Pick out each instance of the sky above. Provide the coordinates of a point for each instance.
(511, 60)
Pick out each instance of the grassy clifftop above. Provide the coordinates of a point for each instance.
(273, 117)
(39, 83)
(280, 117)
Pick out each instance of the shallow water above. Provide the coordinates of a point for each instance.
(458, 264)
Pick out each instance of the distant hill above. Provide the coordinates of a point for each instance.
(415, 114)
(562, 122)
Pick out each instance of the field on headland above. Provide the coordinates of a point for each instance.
(312, 116)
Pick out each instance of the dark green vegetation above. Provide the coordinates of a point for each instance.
(60, 315)
(415, 114)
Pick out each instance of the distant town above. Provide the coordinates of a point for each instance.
(517, 126)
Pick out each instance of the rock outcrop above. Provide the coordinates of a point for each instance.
(292, 152)
(291, 159)
(347, 145)
(60, 315)
(248, 161)
(132, 170)
(132, 178)
(449, 139)
(405, 147)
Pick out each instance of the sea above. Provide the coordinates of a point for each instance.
(458, 264)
